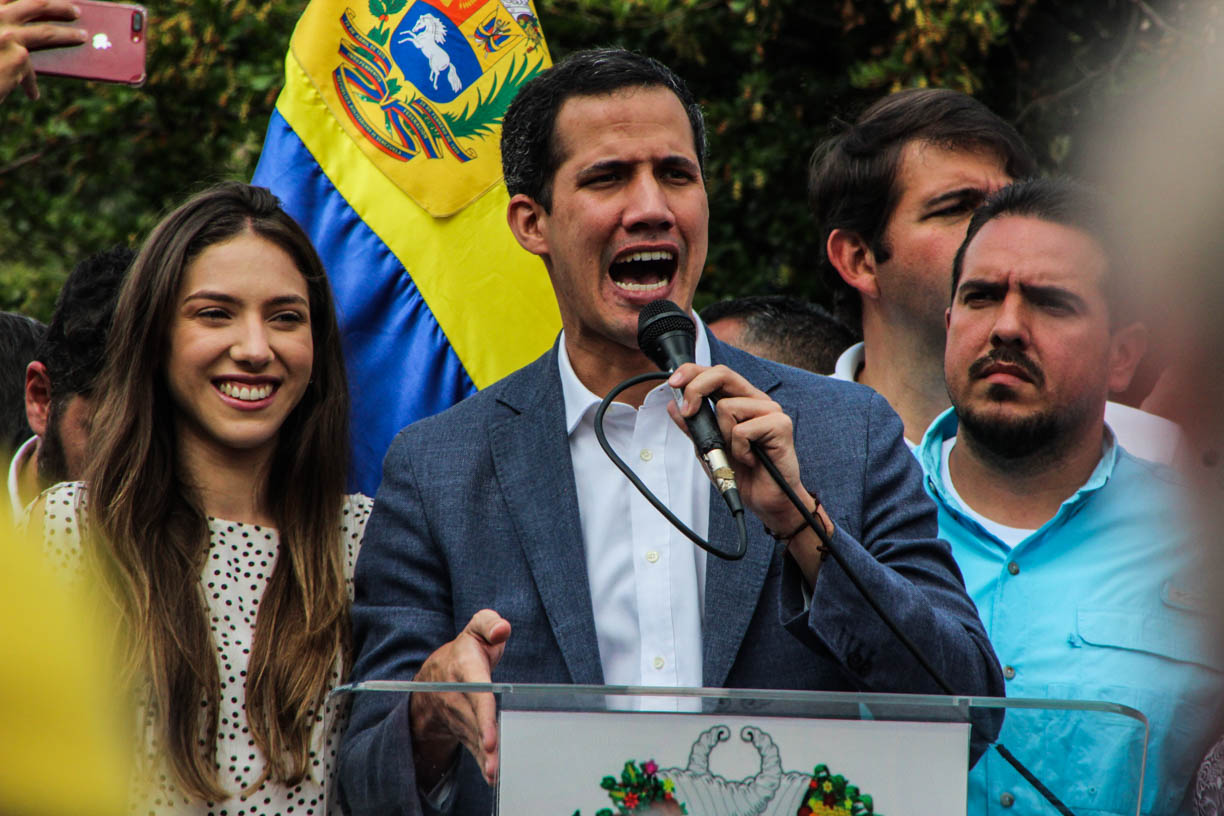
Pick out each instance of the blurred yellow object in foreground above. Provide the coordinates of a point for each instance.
(63, 744)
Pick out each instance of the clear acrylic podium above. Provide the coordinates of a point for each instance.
(601, 750)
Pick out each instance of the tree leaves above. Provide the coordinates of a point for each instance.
(92, 165)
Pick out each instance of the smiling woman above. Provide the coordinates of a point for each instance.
(240, 350)
(215, 507)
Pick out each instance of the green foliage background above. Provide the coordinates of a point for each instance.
(92, 165)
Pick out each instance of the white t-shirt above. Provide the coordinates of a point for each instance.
(1010, 536)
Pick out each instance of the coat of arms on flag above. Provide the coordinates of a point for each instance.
(385, 146)
(422, 85)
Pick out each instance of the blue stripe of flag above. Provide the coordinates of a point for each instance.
(401, 367)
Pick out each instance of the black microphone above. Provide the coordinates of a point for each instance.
(669, 338)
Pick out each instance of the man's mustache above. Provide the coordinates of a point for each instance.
(1005, 355)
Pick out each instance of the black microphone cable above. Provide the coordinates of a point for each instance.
(738, 552)
(737, 512)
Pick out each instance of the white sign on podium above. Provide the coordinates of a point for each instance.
(715, 765)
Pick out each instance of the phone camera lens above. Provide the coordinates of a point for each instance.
(137, 22)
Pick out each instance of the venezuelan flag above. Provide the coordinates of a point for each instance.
(384, 146)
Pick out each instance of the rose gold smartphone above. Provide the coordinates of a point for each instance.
(114, 52)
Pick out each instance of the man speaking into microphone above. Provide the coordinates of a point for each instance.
(504, 545)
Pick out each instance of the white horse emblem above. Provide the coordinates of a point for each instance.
(428, 35)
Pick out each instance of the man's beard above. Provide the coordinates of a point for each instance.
(52, 463)
(1013, 438)
(1005, 438)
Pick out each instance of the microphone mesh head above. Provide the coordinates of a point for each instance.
(659, 317)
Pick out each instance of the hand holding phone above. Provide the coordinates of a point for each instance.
(32, 25)
(113, 49)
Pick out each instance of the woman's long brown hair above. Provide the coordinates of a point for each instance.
(149, 533)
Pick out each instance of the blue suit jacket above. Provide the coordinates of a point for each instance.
(478, 509)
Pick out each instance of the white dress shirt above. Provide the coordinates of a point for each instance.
(647, 579)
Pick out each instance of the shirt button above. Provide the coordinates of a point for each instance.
(646, 454)
(1009, 672)
(1013, 568)
(652, 556)
(1007, 800)
(658, 662)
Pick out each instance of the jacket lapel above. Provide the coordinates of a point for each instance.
(532, 460)
(733, 588)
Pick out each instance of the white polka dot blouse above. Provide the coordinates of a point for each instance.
(240, 561)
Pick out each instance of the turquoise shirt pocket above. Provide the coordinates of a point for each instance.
(1156, 663)
(1170, 632)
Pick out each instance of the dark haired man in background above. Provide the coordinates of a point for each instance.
(892, 196)
(60, 379)
(1078, 554)
(780, 328)
(20, 337)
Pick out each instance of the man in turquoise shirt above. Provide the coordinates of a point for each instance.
(1077, 554)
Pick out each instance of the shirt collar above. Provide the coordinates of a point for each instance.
(945, 426)
(848, 363)
(578, 398)
(18, 463)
